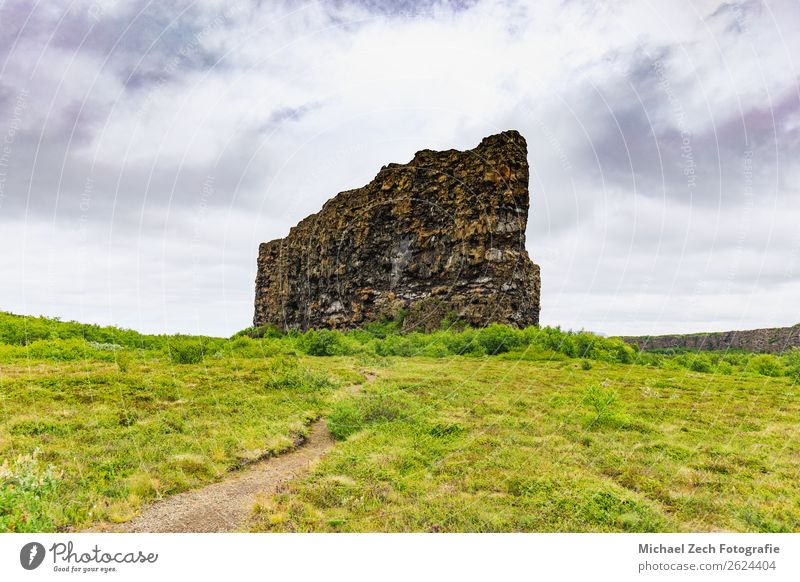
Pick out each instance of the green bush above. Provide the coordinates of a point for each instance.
(569, 348)
(584, 342)
(434, 350)
(61, 349)
(26, 487)
(244, 347)
(724, 367)
(464, 342)
(648, 359)
(42, 338)
(324, 342)
(549, 337)
(40, 428)
(700, 363)
(766, 365)
(286, 372)
(23, 330)
(265, 331)
(792, 360)
(185, 351)
(124, 360)
(381, 329)
(533, 354)
(396, 345)
(351, 416)
(498, 338)
(622, 352)
(602, 403)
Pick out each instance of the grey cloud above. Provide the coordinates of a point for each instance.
(642, 137)
(69, 188)
(737, 16)
(408, 8)
(176, 221)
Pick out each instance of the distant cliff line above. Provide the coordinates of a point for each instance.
(773, 340)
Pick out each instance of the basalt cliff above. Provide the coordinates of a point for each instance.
(442, 237)
(773, 340)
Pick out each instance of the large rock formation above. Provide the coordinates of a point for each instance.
(769, 340)
(440, 237)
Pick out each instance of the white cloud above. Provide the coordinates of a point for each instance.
(282, 105)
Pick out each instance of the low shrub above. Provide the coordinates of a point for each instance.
(60, 349)
(26, 487)
(185, 351)
(381, 329)
(23, 330)
(245, 347)
(193, 464)
(264, 331)
(498, 338)
(350, 416)
(534, 354)
(463, 342)
(124, 360)
(700, 363)
(623, 352)
(648, 359)
(602, 402)
(725, 368)
(397, 345)
(286, 372)
(792, 360)
(324, 342)
(766, 365)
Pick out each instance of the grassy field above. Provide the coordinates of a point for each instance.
(91, 431)
(498, 445)
(462, 430)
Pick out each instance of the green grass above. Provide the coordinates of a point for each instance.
(118, 440)
(93, 439)
(495, 429)
(492, 445)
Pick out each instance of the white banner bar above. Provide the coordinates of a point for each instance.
(374, 557)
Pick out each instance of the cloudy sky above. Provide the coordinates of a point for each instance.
(146, 148)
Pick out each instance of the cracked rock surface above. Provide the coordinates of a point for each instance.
(440, 237)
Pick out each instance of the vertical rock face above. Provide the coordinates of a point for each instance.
(773, 340)
(440, 237)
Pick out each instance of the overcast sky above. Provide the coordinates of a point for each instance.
(146, 148)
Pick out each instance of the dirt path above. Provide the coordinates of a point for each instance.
(226, 506)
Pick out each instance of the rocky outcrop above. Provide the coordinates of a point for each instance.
(440, 237)
(770, 340)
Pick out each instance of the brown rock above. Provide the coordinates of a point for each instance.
(773, 340)
(441, 236)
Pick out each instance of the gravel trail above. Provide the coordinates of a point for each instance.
(226, 506)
